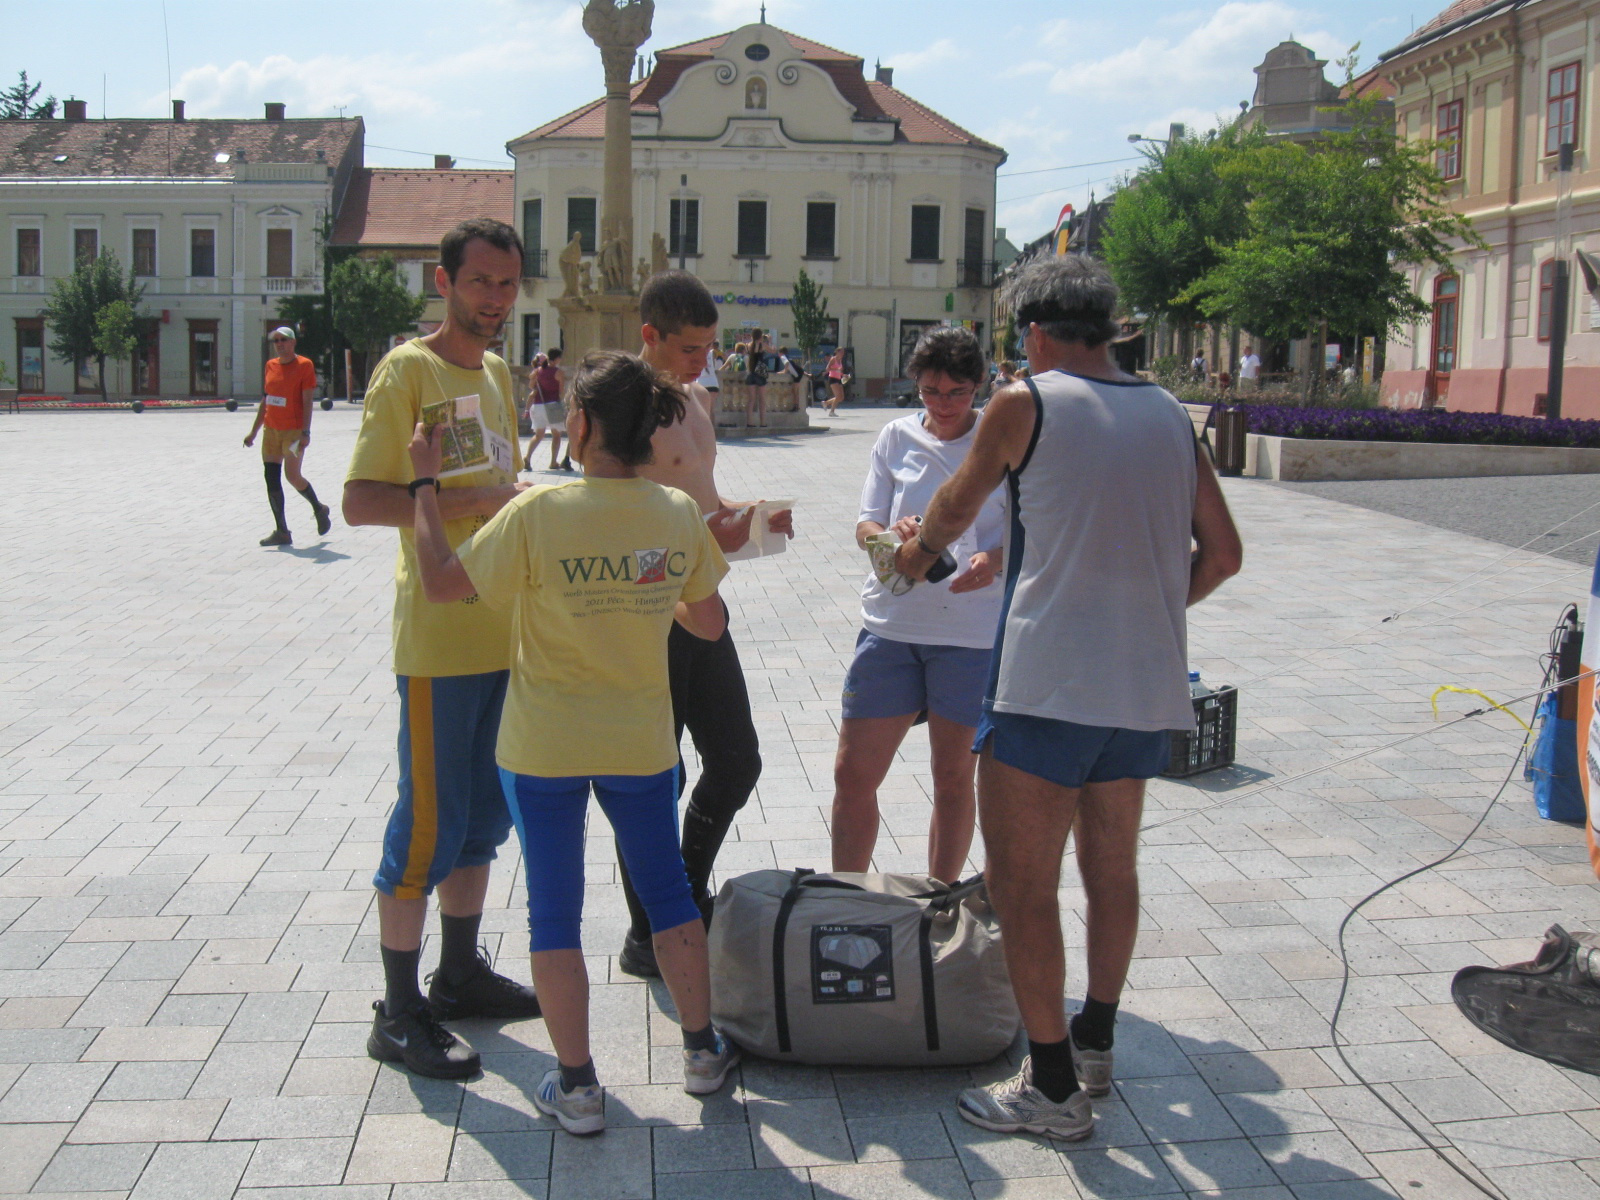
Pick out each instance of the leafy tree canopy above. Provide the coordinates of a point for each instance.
(371, 302)
(91, 313)
(809, 308)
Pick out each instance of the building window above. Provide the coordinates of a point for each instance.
(924, 233)
(1446, 299)
(1561, 109)
(532, 337)
(532, 238)
(1547, 298)
(202, 253)
(280, 253)
(821, 223)
(30, 353)
(144, 253)
(202, 358)
(85, 245)
(752, 229)
(1448, 132)
(582, 219)
(683, 226)
(974, 268)
(29, 260)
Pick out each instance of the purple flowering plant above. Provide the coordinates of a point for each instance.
(1418, 425)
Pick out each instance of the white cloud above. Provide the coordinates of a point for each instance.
(939, 53)
(1208, 64)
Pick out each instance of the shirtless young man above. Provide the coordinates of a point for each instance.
(708, 692)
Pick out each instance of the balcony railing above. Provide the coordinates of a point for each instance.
(976, 272)
(535, 264)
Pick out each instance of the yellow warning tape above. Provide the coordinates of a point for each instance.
(1493, 703)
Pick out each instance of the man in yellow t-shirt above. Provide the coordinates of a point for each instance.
(451, 661)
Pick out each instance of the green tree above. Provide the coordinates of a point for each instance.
(371, 302)
(311, 316)
(809, 308)
(20, 102)
(91, 313)
(1167, 224)
(1332, 227)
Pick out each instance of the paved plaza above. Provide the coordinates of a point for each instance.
(197, 756)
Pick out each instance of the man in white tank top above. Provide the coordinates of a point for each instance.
(1089, 673)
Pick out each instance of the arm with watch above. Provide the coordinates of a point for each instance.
(1000, 445)
(443, 577)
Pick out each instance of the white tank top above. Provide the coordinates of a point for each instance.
(1097, 559)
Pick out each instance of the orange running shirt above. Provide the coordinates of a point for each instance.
(288, 383)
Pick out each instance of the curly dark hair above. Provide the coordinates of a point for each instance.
(626, 400)
(950, 349)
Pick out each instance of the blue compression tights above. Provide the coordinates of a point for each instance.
(549, 814)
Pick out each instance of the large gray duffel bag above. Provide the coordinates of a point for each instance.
(869, 970)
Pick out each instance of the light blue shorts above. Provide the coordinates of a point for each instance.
(890, 679)
(1072, 755)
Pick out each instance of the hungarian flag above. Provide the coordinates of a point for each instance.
(1063, 230)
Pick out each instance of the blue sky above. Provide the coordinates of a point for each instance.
(1056, 85)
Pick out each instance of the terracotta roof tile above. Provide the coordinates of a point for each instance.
(416, 207)
(919, 124)
(1461, 8)
(706, 47)
(188, 149)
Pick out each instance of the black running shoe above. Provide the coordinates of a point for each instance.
(324, 521)
(416, 1039)
(481, 994)
(278, 537)
(638, 957)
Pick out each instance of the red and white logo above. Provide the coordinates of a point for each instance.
(652, 565)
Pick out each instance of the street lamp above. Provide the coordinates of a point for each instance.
(1175, 132)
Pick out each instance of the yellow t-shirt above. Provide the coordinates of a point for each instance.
(592, 570)
(466, 637)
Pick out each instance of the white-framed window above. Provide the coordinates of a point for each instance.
(144, 248)
(201, 248)
(925, 220)
(27, 247)
(278, 248)
(752, 229)
(83, 239)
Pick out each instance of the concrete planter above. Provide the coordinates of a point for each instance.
(1310, 460)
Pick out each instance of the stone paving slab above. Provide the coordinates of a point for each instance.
(196, 757)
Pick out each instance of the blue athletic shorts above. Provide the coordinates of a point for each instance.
(1072, 755)
(451, 811)
(890, 679)
(550, 813)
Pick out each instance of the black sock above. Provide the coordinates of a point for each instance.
(1052, 1069)
(458, 947)
(310, 493)
(1095, 1027)
(274, 474)
(577, 1077)
(400, 990)
(700, 1039)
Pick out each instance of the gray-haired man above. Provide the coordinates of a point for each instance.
(1090, 666)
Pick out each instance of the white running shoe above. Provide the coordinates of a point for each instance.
(1016, 1106)
(705, 1071)
(1093, 1068)
(580, 1111)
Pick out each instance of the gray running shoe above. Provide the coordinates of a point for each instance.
(1016, 1106)
(1093, 1068)
(705, 1071)
(580, 1111)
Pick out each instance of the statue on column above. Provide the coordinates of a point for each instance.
(613, 263)
(571, 255)
(624, 25)
(644, 273)
(658, 254)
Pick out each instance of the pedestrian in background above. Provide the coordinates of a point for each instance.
(285, 410)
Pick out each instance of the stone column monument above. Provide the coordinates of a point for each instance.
(600, 307)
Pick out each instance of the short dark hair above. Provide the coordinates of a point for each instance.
(552, 354)
(951, 349)
(626, 401)
(453, 246)
(672, 299)
(1071, 298)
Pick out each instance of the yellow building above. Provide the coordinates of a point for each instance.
(1502, 84)
(756, 154)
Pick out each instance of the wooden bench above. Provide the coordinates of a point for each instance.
(1204, 419)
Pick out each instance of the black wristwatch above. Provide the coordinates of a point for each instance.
(423, 482)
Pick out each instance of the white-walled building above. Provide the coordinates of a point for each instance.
(758, 153)
(219, 219)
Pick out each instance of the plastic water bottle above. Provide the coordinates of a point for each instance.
(1196, 688)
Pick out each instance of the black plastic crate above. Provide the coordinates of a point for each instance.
(1211, 745)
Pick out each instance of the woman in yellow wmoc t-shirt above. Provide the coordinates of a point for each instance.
(595, 571)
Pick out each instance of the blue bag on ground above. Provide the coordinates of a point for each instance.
(1553, 766)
